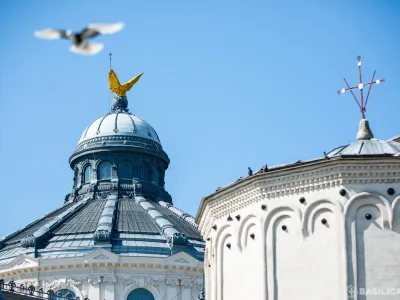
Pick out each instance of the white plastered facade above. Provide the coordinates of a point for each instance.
(105, 275)
(264, 244)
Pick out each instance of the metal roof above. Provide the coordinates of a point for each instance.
(117, 124)
(367, 147)
(141, 227)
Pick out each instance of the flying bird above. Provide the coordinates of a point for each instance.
(79, 39)
(121, 89)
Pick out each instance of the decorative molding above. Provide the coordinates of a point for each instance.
(94, 280)
(31, 270)
(109, 279)
(51, 285)
(153, 281)
(24, 263)
(178, 239)
(286, 182)
(28, 241)
(187, 283)
(128, 281)
(101, 256)
(182, 261)
(72, 281)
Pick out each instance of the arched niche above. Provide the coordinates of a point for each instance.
(128, 290)
(140, 294)
(371, 245)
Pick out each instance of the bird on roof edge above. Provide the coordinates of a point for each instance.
(79, 39)
(250, 171)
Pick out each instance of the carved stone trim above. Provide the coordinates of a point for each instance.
(294, 181)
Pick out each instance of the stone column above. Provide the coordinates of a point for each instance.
(94, 287)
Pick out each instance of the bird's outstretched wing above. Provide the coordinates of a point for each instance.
(96, 29)
(114, 82)
(128, 85)
(50, 34)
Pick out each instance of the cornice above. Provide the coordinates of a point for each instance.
(119, 143)
(295, 180)
(72, 265)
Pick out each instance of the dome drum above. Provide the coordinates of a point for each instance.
(101, 190)
(113, 144)
(123, 167)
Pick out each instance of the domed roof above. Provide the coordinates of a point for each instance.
(366, 144)
(119, 124)
(367, 147)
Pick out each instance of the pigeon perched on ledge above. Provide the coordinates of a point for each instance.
(250, 171)
(78, 39)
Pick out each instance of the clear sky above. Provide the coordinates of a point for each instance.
(226, 84)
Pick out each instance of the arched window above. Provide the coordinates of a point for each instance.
(140, 294)
(64, 294)
(125, 170)
(88, 174)
(144, 172)
(157, 176)
(76, 177)
(105, 170)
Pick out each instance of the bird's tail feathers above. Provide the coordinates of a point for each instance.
(87, 48)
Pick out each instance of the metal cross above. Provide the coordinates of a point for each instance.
(360, 86)
(110, 58)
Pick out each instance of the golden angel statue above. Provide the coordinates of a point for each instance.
(121, 89)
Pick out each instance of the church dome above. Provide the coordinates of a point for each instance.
(367, 147)
(366, 144)
(119, 124)
(118, 211)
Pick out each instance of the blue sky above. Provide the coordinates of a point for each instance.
(226, 84)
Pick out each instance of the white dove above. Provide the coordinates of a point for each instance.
(80, 45)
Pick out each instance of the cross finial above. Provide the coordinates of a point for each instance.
(363, 104)
(110, 58)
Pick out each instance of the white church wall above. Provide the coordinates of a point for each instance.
(373, 245)
(328, 243)
(250, 257)
(283, 252)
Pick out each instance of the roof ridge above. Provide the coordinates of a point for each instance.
(33, 223)
(184, 214)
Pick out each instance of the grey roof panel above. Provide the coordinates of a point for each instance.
(135, 231)
(11, 251)
(39, 224)
(85, 220)
(133, 218)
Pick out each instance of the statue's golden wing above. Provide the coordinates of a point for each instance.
(114, 82)
(128, 85)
